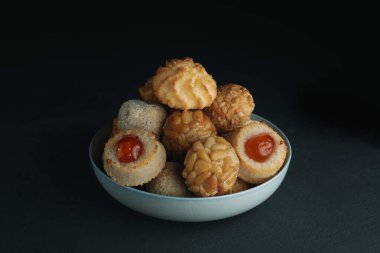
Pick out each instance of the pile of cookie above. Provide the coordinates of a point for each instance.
(188, 137)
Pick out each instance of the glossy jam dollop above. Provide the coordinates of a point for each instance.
(260, 147)
(129, 149)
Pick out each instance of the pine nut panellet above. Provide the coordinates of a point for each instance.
(182, 129)
(211, 167)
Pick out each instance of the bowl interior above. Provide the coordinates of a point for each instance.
(99, 140)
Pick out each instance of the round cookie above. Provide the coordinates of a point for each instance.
(183, 84)
(232, 107)
(260, 149)
(133, 157)
(211, 167)
(169, 182)
(139, 114)
(182, 129)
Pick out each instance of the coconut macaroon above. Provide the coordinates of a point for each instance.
(169, 182)
(260, 149)
(184, 84)
(133, 157)
(232, 107)
(139, 114)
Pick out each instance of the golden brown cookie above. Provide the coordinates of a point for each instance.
(133, 157)
(182, 129)
(260, 149)
(183, 84)
(169, 182)
(211, 167)
(232, 107)
(139, 114)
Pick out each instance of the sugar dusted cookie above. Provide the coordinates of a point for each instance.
(139, 114)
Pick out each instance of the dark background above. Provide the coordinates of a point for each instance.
(312, 70)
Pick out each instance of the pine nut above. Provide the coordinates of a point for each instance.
(182, 141)
(203, 134)
(191, 160)
(226, 175)
(211, 184)
(194, 188)
(198, 115)
(190, 178)
(197, 146)
(186, 117)
(218, 155)
(219, 139)
(216, 170)
(226, 164)
(203, 155)
(219, 147)
(209, 142)
(201, 166)
(231, 180)
(201, 178)
(187, 157)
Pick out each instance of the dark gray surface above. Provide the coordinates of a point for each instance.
(63, 87)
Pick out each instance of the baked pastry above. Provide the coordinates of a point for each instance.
(240, 186)
(183, 84)
(138, 114)
(211, 167)
(146, 92)
(260, 149)
(169, 182)
(133, 157)
(182, 129)
(231, 108)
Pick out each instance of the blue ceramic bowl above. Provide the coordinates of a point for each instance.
(185, 209)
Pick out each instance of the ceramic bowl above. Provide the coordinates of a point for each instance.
(192, 209)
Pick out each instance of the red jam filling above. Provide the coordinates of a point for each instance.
(129, 149)
(259, 148)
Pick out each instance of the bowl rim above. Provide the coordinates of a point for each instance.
(232, 195)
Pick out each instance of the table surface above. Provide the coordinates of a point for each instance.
(70, 85)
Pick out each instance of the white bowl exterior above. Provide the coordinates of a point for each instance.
(191, 209)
